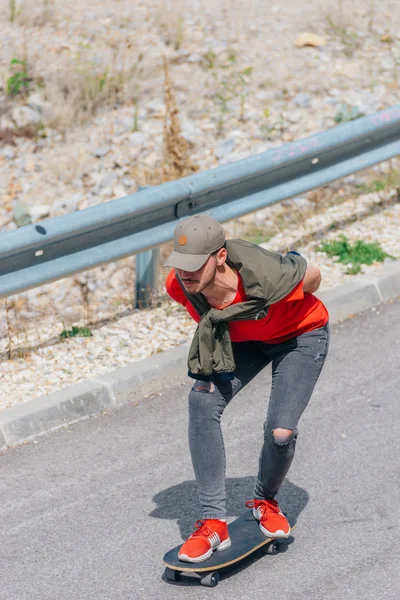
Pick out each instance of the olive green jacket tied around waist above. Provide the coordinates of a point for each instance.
(267, 278)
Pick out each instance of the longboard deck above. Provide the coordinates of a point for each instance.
(246, 538)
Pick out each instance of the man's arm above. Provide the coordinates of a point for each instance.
(312, 280)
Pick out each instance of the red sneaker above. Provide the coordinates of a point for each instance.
(273, 522)
(210, 535)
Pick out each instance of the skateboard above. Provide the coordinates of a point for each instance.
(246, 538)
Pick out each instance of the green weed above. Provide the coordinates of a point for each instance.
(18, 82)
(211, 59)
(231, 84)
(258, 235)
(13, 9)
(349, 39)
(135, 99)
(360, 253)
(384, 184)
(272, 125)
(332, 226)
(102, 81)
(378, 185)
(76, 332)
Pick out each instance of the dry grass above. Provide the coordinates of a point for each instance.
(175, 161)
(168, 18)
(35, 13)
(87, 290)
(80, 86)
(68, 167)
(8, 135)
(83, 65)
(17, 323)
(89, 299)
(383, 179)
(76, 75)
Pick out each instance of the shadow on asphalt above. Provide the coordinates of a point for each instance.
(180, 502)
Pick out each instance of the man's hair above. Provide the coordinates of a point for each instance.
(216, 251)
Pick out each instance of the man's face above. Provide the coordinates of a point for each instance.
(196, 281)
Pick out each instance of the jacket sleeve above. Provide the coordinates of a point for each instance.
(266, 274)
(283, 275)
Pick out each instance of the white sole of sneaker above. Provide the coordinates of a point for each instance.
(279, 534)
(223, 546)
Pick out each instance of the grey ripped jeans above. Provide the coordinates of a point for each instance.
(296, 366)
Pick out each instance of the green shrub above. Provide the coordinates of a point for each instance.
(76, 332)
(360, 253)
(386, 183)
(18, 82)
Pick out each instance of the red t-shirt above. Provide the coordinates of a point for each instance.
(295, 314)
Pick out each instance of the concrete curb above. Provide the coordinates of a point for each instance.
(128, 384)
(132, 383)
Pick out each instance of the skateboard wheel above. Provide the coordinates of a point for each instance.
(210, 580)
(272, 548)
(172, 575)
(283, 546)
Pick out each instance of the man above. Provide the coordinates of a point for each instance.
(253, 307)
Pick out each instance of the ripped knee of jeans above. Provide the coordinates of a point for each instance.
(206, 387)
(283, 437)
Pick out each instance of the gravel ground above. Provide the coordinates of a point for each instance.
(292, 92)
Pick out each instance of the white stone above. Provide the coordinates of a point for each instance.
(8, 152)
(109, 180)
(101, 151)
(195, 58)
(40, 211)
(225, 148)
(138, 138)
(119, 191)
(25, 115)
(302, 99)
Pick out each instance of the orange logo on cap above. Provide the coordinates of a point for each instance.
(183, 240)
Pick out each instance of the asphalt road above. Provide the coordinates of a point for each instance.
(87, 512)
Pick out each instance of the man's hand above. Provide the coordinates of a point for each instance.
(312, 280)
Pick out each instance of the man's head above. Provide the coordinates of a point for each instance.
(198, 251)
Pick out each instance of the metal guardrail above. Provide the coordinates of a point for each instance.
(62, 246)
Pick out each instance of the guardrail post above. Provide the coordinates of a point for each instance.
(146, 273)
(146, 277)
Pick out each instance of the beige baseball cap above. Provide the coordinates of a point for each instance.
(195, 238)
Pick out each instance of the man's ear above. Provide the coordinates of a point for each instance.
(221, 257)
